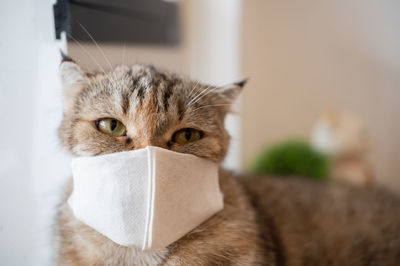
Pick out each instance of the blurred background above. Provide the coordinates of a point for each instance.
(324, 84)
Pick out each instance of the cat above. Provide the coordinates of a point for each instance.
(265, 221)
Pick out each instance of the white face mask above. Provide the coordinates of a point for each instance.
(146, 198)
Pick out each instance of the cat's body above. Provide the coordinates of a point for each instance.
(328, 224)
(264, 221)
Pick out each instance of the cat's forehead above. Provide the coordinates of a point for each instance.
(144, 79)
(128, 90)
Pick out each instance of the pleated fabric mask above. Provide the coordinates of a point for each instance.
(147, 198)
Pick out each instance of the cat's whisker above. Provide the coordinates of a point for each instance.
(204, 94)
(92, 58)
(212, 105)
(197, 94)
(190, 93)
(97, 45)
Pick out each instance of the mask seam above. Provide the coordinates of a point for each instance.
(149, 188)
(153, 193)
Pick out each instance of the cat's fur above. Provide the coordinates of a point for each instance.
(264, 221)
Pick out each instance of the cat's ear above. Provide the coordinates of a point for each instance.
(73, 78)
(226, 96)
(72, 74)
(229, 93)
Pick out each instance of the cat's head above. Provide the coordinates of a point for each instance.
(133, 107)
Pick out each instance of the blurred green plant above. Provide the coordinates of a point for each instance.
(294, 158)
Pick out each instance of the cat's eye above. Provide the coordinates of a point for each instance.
(186, 135)
(111, 126)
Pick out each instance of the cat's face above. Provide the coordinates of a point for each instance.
(134, 107)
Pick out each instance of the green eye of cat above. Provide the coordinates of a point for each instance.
(186, 135)
(111, 127)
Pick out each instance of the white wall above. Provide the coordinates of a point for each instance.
(31, 163)
(214, 48)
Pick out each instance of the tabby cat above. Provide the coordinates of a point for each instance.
(265, 221)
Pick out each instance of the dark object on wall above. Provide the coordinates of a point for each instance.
(120, 21)
(292, 158)
(61, 18)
